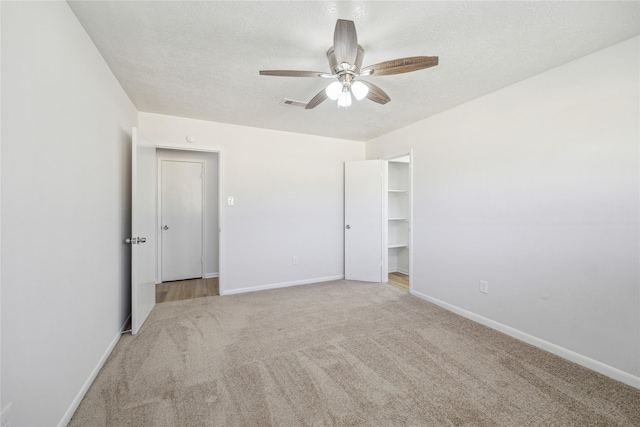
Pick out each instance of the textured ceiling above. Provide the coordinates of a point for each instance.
(201, 59)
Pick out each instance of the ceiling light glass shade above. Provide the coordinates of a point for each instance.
(359, 90)
(334, 90)
(345, 99)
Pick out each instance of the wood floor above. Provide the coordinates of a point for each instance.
(196, 288)
(186, 289)
(399, 280)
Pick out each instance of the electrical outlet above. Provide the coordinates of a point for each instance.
(484, 286)
(296, 260)
(230, 200)
(5, 420)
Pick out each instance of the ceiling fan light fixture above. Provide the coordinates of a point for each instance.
(345, 99)
(359, 90)
(334, 90)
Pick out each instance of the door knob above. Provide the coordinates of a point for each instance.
(166, 227)
(348, 227)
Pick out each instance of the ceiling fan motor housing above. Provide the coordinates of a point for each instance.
(337, 68)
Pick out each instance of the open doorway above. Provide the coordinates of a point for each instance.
(188, 218)
(399, 221)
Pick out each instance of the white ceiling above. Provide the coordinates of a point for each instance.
(201, 59)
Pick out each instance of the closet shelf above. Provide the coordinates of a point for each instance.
(398, 219)
(397, 191)
(397, 245)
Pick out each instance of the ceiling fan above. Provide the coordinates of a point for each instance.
(345, 60)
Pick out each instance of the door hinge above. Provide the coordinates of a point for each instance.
(135, 240)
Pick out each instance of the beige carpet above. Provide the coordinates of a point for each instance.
(343, 354)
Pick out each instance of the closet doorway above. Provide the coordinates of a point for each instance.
(188, 218)
(399, 208)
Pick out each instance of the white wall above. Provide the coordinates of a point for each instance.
(2, 405)
(210, 201)
(534, 188)
(288, 191)
(66, 126)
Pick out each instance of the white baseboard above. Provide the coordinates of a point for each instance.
(206, 276)
(572, 356)
(399, 270)
(66, 418)
(281, 285)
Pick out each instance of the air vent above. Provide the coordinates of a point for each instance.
(293, 103)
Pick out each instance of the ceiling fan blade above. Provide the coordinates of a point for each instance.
(291, 73)
(345, 42)
(316, 100)
(376, 94)
(402, 65)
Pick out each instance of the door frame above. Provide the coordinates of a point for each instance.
(221, 234)
(389, 158)
(159, 211)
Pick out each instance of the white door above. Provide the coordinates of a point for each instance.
(182, 219)
(364, 234)
(143, 230)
